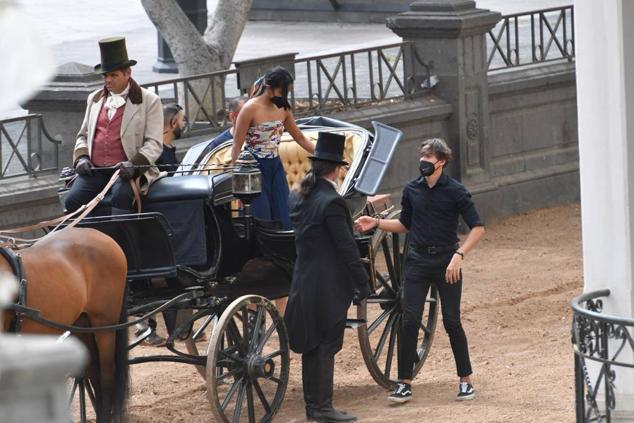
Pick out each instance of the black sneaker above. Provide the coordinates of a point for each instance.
(465, 392)
(402, 393)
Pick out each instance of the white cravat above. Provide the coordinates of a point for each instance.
(114, 101)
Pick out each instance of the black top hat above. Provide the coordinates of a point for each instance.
(114, 55)
(329, 148)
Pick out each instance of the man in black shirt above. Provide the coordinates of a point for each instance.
(174, 122)
(431, 206)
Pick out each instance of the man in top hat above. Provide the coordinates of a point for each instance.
(122, 129)
(328, 274)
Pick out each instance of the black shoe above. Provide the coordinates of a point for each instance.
(402, 393)
(154, 340)
(327, 415)
(465, 392)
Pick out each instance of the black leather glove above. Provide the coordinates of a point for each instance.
(360, 293)
(127, 170)
(83, 166)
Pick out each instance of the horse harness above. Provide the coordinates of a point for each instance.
(15, 262)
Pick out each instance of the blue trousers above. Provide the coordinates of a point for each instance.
(85, 188)
(272, 203)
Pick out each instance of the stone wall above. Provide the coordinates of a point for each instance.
(531, 157)
(533, 146)
(354, 11)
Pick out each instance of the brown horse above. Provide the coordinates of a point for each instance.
(77, 277)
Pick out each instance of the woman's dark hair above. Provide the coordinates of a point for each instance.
(319, 168)
(278, 77)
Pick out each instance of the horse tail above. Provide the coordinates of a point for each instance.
(121, 376)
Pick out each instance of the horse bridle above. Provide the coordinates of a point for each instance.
(15, 262)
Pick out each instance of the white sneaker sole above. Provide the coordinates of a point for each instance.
(399, 400)
(466, 397)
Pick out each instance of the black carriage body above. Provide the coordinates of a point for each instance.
(191, 251)
(189, 235)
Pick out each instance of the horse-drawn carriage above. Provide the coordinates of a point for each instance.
(212, 268)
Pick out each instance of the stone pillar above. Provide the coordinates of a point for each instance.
(605, 102)
(33, 370)
(449, 35)
(62, 102)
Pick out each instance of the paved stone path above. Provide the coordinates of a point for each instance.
(72, 29)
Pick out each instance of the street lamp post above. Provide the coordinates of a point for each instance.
(196, 11)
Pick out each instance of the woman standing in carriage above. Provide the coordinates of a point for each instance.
(261, 123)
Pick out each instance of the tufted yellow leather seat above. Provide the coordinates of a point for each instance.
(294, 158)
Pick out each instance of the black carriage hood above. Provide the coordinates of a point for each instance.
(189, 187)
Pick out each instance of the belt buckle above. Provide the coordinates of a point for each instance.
(432, 250)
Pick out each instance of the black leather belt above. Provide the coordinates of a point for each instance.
(435, 249)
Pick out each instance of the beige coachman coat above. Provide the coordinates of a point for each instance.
(141, 129)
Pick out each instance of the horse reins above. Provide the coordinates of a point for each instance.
(8, 240)
(15, 262)
(16, 243)
(22, 311)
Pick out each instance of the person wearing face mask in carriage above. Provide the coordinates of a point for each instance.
(261, 123)
(431, 206)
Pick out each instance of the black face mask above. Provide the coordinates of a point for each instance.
(426, 168)
(279, 101)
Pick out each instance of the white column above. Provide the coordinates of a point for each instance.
(604, 32)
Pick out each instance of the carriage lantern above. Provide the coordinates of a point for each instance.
(246, 181)
(246, 184)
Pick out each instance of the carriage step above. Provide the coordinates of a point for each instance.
(355, 323)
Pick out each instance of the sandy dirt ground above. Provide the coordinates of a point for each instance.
(518, 285)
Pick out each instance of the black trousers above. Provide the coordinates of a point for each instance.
(318, 367)
(419, 276)
(85, 188)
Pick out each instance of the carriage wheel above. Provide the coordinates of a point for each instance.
(82, 392)
(199, 343)
(382, 310)
(247, 374)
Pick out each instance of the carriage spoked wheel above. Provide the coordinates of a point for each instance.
(248, 362)
(379, 338)
(199, 341)
(82, 395)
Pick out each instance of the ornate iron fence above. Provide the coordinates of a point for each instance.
(605, 340)
(203, 97)
(26, 148)
(322, 83)
(350, 78)
(532, 37)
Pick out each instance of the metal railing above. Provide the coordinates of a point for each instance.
(532, 37)
(203, 97)
(605, 340)
(350, 78)
(26, 147)
(322, 83)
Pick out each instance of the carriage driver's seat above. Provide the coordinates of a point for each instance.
(294, 158)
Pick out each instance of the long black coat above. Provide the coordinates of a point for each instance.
(327, 269)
